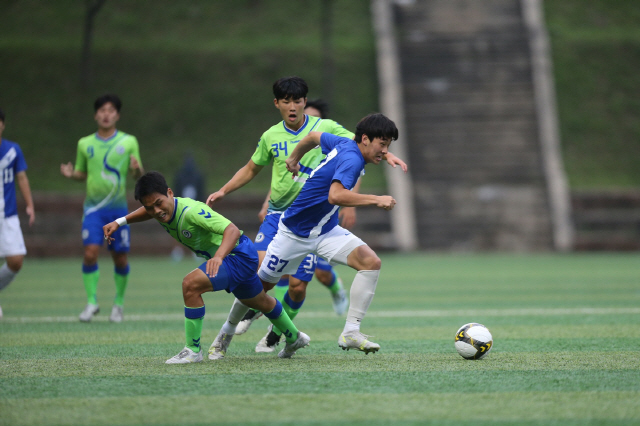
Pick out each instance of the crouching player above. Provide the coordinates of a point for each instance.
(231, 265)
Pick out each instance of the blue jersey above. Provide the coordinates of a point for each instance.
(11, 163)
(311, 214)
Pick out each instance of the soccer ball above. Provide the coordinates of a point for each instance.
(473, 341)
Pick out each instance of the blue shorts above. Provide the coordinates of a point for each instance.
(237, 274)
(268, 231)
(323, 265)
(92, 233)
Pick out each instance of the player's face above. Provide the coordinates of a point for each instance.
(374, 150)
(292, 111)
(107, 116)
(312, 112)
(159, 206)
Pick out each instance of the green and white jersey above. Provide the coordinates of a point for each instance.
(277, 143)
(196, 226)
(106, 163)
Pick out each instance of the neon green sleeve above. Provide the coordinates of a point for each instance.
(263, 155)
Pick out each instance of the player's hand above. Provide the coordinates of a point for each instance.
(133, 163)
(395, 161)
(263, 213)
(108, 230)
(213, 265)
(347, 217)
(32, 215)
(386, 202)
(215, 197)
(66, 169)
(292, 166)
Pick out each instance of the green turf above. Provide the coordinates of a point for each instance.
(566, 349)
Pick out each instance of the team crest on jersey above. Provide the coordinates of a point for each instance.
(186, 234)
(259, 237)
(120, 149)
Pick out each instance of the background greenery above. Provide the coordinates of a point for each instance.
(196, 76)
(565, 327)
(596, 54)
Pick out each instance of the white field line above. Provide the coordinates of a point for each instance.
(372, 314)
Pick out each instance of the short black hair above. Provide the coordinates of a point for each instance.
(1, 115)
(150, 183)
(376, 126)
(320, 105)
(290, 88)
(109, 97)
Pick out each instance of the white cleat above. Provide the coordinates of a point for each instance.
(269, 342)
(246, 322)
(291, 348)
(89, 311)
(116, 314)
(358, 341)
(186, 356)
(340, 302)
(220, 345)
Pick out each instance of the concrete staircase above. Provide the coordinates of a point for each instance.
(471, 126)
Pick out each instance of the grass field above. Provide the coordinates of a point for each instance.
(566, 349)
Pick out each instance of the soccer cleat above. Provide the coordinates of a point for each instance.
(116, 314)
(248, 318)
(220, 345)
(89, 311)
(269, 342)
(340, 301)
(358, 341)
(291, 348)
(186, 356)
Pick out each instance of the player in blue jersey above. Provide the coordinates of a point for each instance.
(13, 168)
(231, 262)
(274, 147)
(310, 224)
(103, 160)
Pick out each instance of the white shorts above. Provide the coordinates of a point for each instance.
(287, 250)
(11, 240)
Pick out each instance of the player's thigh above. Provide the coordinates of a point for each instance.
(11, 239)
(284, 255)
(197, 282)
(336, 245)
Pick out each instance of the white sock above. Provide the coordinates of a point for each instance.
(362, 290)
(349, 326)
(6, 276)
(237, 312)
(228, 328)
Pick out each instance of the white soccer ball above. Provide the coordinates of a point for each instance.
(473, 341)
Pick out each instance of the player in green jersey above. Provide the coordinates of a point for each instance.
(275, 146)
(231, 263)
(104, 159)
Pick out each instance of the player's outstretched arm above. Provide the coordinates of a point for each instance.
(139, 215)
(68, 171)
(305, 145)
(23, 184)
(229, 240)
(340, 196)
(240, 179)
(395, 161)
